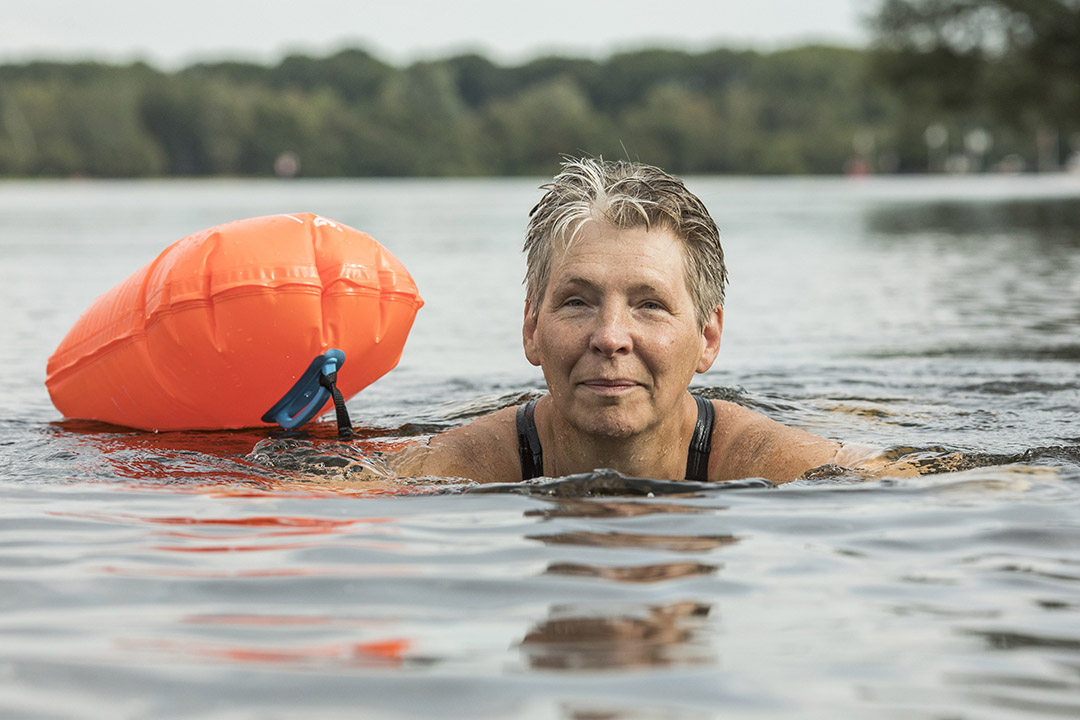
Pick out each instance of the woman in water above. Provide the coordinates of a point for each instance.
(624, 303)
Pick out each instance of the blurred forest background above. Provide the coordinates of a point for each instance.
(946, 85)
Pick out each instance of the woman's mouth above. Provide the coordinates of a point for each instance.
(610, 386)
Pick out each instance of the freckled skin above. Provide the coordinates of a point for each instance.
(618, 340)
(616, 334)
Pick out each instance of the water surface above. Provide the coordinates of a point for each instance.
(180, 575)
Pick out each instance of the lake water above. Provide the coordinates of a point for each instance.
(173, 575)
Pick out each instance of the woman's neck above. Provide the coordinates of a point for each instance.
(658, 453)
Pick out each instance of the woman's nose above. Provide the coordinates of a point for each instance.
(611, 335)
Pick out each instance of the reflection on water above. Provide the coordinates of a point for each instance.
(634, 574)
(1046, 221)
(673, 543)
(998, 640)
(337, 656)
(618, 639)
(592, 508)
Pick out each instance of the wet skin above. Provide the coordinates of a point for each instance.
(618, 339)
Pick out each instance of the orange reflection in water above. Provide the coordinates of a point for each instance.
(240, 534)
(307, 524)
(252, 620)
(210, 574)
(219, 462)
(390, 652)
(278, 527)
(296, 525)
(381, 652)
(156, 458)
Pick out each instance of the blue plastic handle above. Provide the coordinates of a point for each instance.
(304, 399)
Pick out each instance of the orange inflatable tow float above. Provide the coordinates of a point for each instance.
(239, 325)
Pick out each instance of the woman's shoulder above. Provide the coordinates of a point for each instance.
(484, 450)
(746, 444)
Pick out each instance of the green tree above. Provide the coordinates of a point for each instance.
(425, 122)
(351, 114)
(527, 133)
(675, 128)
(172, 113)
(83, 122)
(1013, 63)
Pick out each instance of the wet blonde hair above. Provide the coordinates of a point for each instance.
(625, 195)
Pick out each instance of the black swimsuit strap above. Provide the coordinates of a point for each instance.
(697, 458)
(529, 450)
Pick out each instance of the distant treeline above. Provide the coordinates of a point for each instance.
(806, 110)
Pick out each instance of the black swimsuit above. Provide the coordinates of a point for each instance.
(532, 455)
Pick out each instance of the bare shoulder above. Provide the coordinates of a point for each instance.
(485, 450)
(748, 444)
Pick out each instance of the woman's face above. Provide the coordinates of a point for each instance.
(616, 333)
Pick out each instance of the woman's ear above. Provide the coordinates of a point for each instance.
(528, 334)
(714, 327)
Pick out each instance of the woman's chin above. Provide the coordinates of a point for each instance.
(613, 423)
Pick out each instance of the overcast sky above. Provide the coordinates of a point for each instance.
(171, 34)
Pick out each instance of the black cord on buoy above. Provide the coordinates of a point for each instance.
(344, 425)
